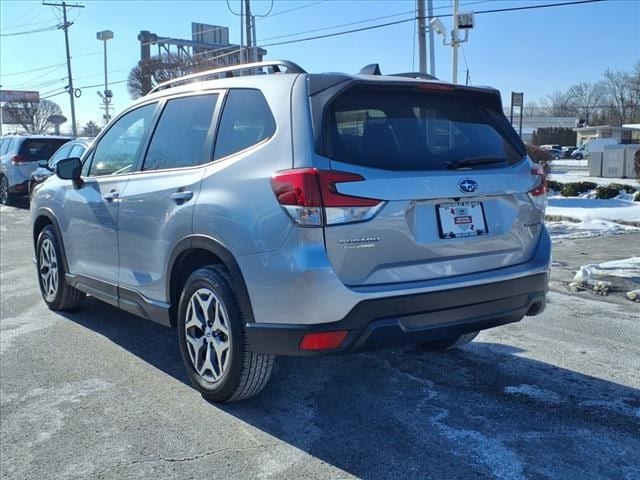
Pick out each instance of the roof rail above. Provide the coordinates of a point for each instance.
(228, 72)
(423, 76)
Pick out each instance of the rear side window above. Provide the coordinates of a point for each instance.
(36, 149)
(63, 152)
(246, 121)
(4, 145)
(394, 129)
(77, 151)
(180, 139)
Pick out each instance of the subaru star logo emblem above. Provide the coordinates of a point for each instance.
(468, 186)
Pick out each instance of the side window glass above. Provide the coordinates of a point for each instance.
(63, 152)
(180, 138)
(5, 146)
(77, 151)
(246, 120)
(117, 151)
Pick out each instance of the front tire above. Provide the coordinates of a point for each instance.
(56, 292)
(6, 198)
(449, 343)
(213, 342)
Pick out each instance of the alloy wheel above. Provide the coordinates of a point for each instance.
(4, 190)
(207, 334)
(48, 266)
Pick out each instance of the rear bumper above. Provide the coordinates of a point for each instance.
(396, 320)
(19, 188)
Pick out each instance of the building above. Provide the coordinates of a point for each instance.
(624, 134)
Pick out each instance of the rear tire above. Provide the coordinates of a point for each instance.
(213, 342)
(6, 197)
(56, 292)
(449, 343)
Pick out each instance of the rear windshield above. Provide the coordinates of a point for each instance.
(394, 129)
(36, 149)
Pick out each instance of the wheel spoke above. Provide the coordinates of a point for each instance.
(192, 319)
(194, 345)
(207, 365)
(221, 348)
(220, 320)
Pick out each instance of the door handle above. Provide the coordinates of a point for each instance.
(111, 196)
(182, 196)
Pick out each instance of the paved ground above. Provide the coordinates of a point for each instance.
(101, 394)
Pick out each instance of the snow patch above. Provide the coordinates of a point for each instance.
(587, 229)
(625, 268)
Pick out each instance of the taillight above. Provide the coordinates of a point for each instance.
(539, 194)
(15, 159)
(311, 198)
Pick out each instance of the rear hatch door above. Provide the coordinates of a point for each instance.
(453, 174)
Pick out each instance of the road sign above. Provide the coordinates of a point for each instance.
(19, 96)
(517, 99)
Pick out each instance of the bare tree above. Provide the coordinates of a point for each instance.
(620, 94)
(586, 98)
(33, 117)
(558, 104)
(531, 109)
(159, 69)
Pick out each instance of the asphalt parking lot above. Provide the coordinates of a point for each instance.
(101, 394)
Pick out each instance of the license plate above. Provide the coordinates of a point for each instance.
(461, 219)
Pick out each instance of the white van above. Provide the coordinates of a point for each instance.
(594, 145)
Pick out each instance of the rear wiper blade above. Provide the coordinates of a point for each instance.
(472, 162)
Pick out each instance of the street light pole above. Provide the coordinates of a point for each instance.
(106, 97)
(454, 44)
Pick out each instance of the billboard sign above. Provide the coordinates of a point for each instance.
(19, 96)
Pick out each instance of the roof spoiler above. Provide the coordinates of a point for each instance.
(374, 69)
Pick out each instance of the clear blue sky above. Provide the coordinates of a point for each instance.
(534, 51)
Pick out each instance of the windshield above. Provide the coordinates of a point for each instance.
(395, 129)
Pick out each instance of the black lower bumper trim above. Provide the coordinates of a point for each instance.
(393, 321)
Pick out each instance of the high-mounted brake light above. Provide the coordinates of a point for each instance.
(311, 198)
(16, 159)
(539, 194)
(435, 87)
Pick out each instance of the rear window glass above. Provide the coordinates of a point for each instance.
(41, 148)
(246, 121)
(399, 130)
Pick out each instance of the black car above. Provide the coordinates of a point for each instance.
(46, 168)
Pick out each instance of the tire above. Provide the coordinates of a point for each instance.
(56, 292)
(449, 343)
(578, 156)
(213, 342)
(6, 198)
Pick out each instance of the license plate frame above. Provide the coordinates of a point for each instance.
(465, 219)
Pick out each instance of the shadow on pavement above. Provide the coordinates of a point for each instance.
(485, 411)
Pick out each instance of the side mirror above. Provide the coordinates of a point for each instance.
(69, 168)
(43, 163)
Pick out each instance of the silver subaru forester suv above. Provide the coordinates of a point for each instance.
(267, 211)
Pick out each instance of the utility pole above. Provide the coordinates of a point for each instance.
(432, 48)
(422, 30)
(247, 14)
(66, 26)
(454, 44)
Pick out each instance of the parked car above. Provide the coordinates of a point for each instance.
(299, 214)
(556, 154)
(47, 168)
(594, 145)
(567, 151)
(19, 157)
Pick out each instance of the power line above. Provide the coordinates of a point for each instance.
(295, 8)
(26, 32)
(397, 22)
(32, 70)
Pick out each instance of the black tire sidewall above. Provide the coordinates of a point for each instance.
(49, 233)
(212, 279)
(7, 201)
